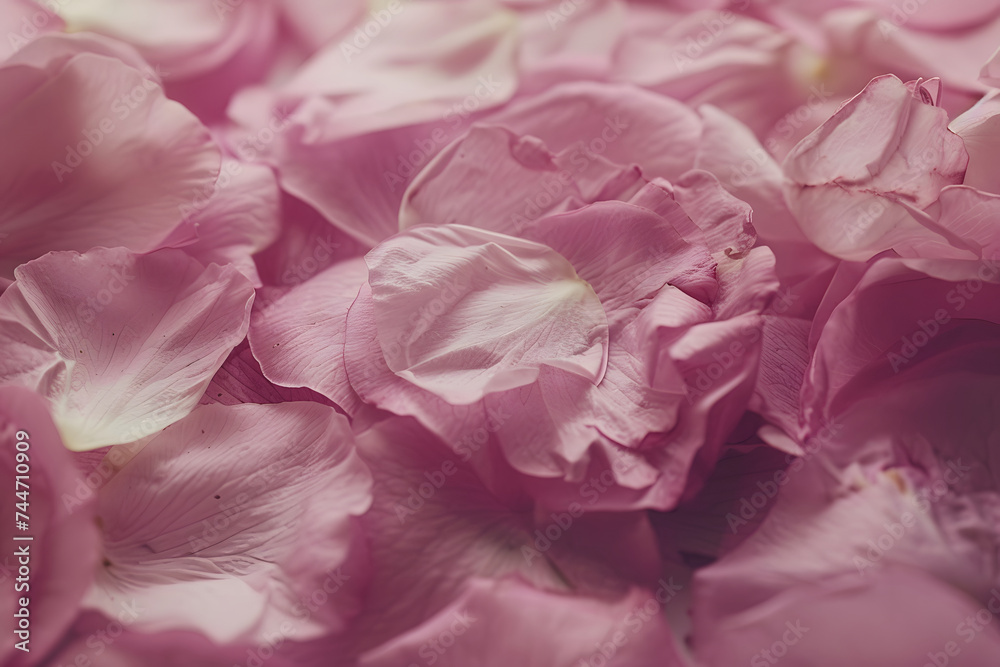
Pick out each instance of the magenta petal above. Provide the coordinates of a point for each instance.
(121, 344)
(132, 648)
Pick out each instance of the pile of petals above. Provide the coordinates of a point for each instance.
(477, 333)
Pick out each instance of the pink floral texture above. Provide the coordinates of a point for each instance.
(623, 355)
(575, 333)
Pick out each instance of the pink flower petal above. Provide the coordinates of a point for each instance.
(550, 629)
(21, 21)
(62, 553)
(298, 338)
(711, 57)
(620, 123)
(462, 178)
(848, 194)
(121, 344)
(463, 312)
(808, 623)
(237, 218)
(225, 519)
(185, 37)
(347, 89)
(435, 523)
(96, 156)
(979, 128)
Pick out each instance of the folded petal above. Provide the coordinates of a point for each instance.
(240, 380)
(849, 195)
(628, 254)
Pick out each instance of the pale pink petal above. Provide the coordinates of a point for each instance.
(53, 51)
(712, 57)
(628, 254)
(228, 521)
(723, 219)
(463, 312)
(900, 618)
(939, 15)
(236, 219)
(435, 523)
(910, 151)
(110, 642)
(186, 37)
(651, 396)
(122, 345)
(620, 123)
(550, 629)
(318, 25)
(561, 42)
(730, 151)
(58, 545)
(970, 215)
(464, 178)
(783, 362)
(979, 128)
(466, 63)
(733, 155)
(357, 183)
(298, 337)
(990, 74)
(899, 44)
(851, 197)
(96, 156)
(23, 20)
